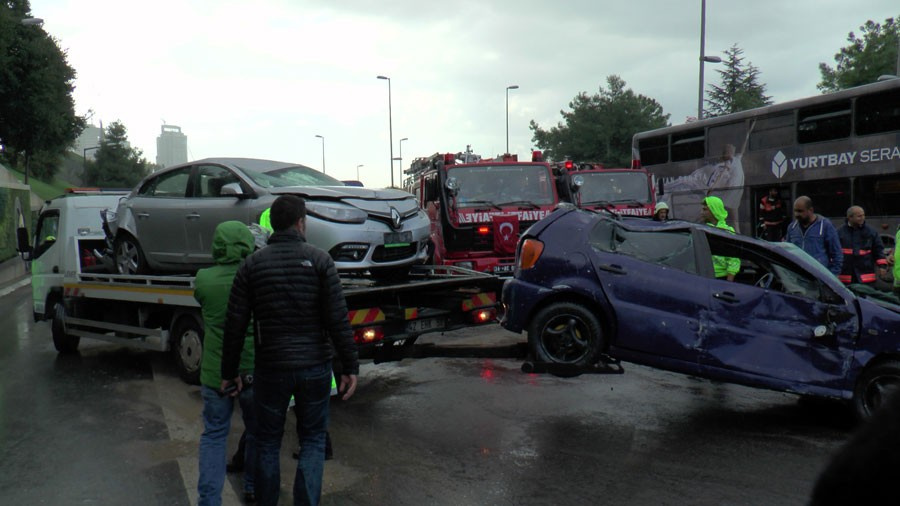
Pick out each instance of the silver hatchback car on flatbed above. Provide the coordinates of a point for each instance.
(166, 223)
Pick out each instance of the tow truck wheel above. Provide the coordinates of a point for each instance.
(129, 256)
(187, 346)
(64, 342)
(874, 386)
(566, 333)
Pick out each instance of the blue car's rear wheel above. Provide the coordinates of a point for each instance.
(875, 385)
(566, 333)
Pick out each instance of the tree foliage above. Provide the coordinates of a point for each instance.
(740, 89)
(599, 127)
(115, 164)
(865, 58)
(37, 110)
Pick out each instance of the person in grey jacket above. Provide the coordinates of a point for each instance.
(292, 291)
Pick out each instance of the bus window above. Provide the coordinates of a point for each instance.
(878, 195)
(824, 122)
(831, 198)
(879, 112)
(654, 150)
(688, 146)
(773, 132)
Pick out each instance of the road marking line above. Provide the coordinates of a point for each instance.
(15, 286)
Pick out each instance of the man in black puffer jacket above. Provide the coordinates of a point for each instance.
(293, 294)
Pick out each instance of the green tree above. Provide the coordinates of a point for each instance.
(599, 127)
(740, 89)
(865, 58)
(115, 165)
(37, 110)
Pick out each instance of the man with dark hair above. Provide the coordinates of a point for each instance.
(815, 235)
(771, 215)
(293, 294)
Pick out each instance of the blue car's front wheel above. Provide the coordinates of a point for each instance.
(566, 333)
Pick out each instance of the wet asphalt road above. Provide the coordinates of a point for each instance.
(116, 426)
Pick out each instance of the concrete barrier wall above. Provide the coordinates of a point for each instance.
(15, 204)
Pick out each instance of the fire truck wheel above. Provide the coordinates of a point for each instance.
(187, 346)
(566, 333)
(129, 256)
(64, 342)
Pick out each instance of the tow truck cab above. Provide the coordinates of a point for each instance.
(68, 239)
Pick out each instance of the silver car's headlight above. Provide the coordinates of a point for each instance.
(333, 211)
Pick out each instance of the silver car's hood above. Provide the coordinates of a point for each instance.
(344, 192)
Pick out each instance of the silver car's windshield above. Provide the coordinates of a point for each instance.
(291, 176)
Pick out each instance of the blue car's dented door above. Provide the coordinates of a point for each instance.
(659, 300)
(780, 333)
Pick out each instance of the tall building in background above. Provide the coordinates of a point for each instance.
(89, 138)
(171, 146)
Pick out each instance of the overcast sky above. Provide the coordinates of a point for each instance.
(262, 79)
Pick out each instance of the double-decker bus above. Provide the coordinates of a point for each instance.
(840, 149)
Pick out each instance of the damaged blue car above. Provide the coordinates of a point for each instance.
(591, 286)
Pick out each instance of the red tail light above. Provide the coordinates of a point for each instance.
(484, 230)
(484, 315)
(366, 335)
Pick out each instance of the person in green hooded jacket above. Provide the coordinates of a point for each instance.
(714, 214)
(232, 242)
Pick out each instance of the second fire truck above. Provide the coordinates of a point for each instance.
(479, 206)
(619, 190)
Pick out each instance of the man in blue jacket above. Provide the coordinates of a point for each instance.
(815, 235)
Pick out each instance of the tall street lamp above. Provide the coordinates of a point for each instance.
(29, 22)
(84, 156)
(390, 127)
(703, 58)
(512, 87)
(323, 152)
(357, 171)
(400, 156)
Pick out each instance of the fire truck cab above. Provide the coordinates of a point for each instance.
(620, 190)
(478, 206)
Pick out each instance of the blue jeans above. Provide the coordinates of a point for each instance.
(216, 424)
(311, 388)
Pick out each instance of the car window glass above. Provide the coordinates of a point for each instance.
(170, 184)
(290, 176)
(47, 231)
(669, 248)
(211, 179)
(766, 269)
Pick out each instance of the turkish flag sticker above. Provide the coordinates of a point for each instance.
(506, 233)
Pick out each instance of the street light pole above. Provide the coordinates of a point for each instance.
(323, 152)
(703, 58)
(511, 87)
(29, 22)
(84, 157)
(390, 127)
(357, 171)
(400, 156)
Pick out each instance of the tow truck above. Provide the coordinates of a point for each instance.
(73, 290)
(622, 191)
(478, 206)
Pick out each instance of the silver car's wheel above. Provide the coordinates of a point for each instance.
(129, 257)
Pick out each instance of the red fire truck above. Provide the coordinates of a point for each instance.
(479, 206)
(620, 190)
